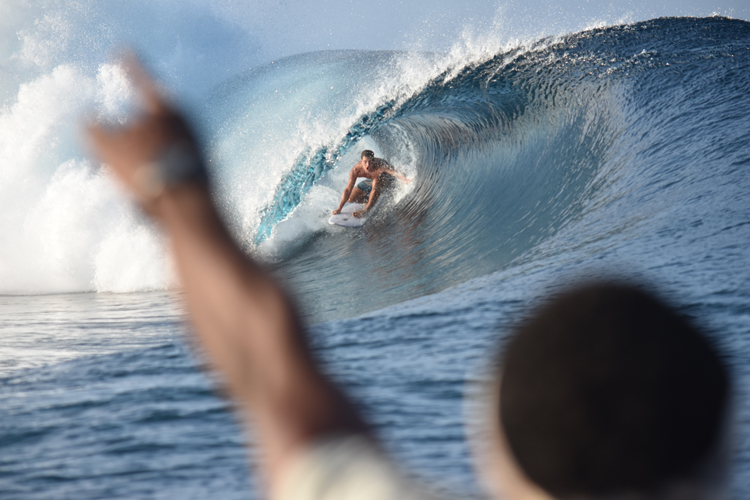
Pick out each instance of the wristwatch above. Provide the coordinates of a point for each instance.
(177, 164)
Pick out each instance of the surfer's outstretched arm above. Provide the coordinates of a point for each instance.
(242, 318)
(397, 174)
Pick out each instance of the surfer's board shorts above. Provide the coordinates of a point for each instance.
(386, 182)
(366, 186)
(347, 467)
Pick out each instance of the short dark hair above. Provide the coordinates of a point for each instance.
(606, 390)
(368, 153)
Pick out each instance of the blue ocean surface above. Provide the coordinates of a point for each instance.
(618, 151)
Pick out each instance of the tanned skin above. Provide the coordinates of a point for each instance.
(242, 319)
(371, 168)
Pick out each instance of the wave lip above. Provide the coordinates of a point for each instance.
(507, 150)
(506, 153)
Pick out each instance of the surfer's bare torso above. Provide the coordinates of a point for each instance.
(379, 172)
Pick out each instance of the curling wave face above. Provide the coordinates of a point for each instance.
(593, 135)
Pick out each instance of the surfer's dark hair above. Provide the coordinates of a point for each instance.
(606, 390)
(368, 153)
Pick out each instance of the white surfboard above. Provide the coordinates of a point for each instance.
(346, 219)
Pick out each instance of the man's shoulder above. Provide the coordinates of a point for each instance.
(332, 467)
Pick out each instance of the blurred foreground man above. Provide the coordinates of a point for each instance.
(603, 394)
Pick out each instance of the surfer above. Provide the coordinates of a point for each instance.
(378, 174)
(602, 393)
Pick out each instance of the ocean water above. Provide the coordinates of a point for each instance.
(615, 151)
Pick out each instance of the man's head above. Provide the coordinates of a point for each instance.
(607, 392)
(367, 157)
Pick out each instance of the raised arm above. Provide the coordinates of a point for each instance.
(242, 318)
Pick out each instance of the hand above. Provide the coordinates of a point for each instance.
(360, 213)
(407, 181)
(129, 150)
(336, 212)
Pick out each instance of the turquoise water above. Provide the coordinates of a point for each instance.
(620, 151)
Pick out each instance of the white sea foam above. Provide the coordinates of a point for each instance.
(65, 227)
(62, 217)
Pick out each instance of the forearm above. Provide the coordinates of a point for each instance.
(374, 194)
(399, 175)
(345, 197)
(244, 321)
(222, 287)
(251, 333)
